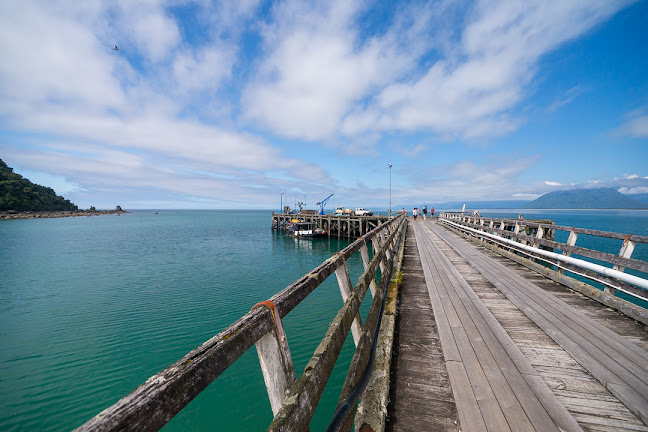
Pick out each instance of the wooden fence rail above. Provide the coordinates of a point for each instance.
(534, 234)
(154, 403)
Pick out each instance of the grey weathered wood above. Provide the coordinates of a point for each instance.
(511, 388)
(344, 282)
(364, 253)
(276, 364)
(299, 406)
(537, 347)
(420, 396)
(569, 248)
(626, 252)
(604, 360)
(372, 409)
(161, 397)
(151, 405)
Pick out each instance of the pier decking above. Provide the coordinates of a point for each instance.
(520, 352)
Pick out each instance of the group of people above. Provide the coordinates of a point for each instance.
(421, 212)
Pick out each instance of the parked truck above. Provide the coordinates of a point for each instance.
(362, 212)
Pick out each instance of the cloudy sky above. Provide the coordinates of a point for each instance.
(226, 104)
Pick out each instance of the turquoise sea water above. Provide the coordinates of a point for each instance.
(91, 307)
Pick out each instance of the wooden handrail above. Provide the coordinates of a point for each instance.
(519, 234)
(625, 261)
(155, 402)
(300, 403)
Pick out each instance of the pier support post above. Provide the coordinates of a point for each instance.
(626, 252)
(276, 362)
(571, 241)
(344, 281)
(364, 253)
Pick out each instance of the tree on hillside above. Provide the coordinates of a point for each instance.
(18, 193)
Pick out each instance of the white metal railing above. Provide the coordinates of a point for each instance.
(610, 272)
(540, 235)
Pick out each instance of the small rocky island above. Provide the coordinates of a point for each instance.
(22, 199)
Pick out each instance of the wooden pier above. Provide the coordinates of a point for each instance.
(343, 226)
(484, 328)
(519, 352)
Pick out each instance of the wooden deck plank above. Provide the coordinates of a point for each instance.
(557, 369)
(637, 358)
(495, 395)
(485, 332)
(599, 358)
(612, 359)
(420, 394)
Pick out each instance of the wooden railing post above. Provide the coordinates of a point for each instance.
(571, 241)
(364, 253)
(276, 362)
(626, 252)
(344, 282)
(377, 244)
(538, 237)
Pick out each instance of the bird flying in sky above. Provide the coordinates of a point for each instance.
(115, 49)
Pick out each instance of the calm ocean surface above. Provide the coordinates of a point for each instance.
(91, 307)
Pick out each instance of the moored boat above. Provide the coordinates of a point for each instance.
(305, 229)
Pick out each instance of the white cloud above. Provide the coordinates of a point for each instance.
(102, 122)
(205, 69)
(467, 180)
(470, 94)
(552, 183)
(317, 68)
(567, 98)
(48, 57)
(148, 28)
(633, 190)
(636, 127)
(529, 196)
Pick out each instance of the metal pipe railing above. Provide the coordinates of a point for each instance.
(616, 274)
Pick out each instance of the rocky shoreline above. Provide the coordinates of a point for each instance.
(57, 214)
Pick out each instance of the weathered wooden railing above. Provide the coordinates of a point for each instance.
(529, 238)
(293, 400)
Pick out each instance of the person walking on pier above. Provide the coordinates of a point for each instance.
(424, 213)
(415, 213)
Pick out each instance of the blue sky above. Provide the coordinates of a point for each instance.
(227, 104)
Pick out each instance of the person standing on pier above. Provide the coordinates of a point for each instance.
(415, 213)
(424, 213)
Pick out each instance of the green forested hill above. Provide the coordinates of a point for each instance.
(601, 198)
(18, 193)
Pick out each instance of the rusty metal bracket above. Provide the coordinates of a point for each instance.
(276, 318)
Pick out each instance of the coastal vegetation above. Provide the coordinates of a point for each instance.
(19, 194)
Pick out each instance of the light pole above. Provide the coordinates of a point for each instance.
(389, 165)
(281, 211)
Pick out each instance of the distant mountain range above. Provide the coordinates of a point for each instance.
(601, 198)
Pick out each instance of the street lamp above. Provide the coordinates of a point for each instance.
(281, 211)
(389, 165)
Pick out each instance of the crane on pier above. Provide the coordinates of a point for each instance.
(323, 203)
